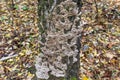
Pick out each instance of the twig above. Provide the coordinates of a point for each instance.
(8, 57)
(96, 9)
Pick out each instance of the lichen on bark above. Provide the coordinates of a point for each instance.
(60, 47)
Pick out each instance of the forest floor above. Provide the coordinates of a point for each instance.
(100, 54)
(100, 50)
(18, 39)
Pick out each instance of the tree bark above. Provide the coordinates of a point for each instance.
(60, 30)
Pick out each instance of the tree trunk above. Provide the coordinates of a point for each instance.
(60, 34)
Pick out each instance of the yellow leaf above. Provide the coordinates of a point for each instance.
(19, 74)
(30, 76)
(10, 60)
(7, 35)
(16, 38)
(9, 42)
(85, 78)
(1, 62)
(21, 54)
(9, 29)
(9, 69)
(95, 52)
